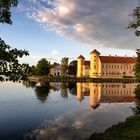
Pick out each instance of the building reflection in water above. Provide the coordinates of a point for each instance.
(106, 93)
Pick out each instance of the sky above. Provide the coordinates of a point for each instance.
(53, 29)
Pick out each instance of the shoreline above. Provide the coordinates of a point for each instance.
(81, 79)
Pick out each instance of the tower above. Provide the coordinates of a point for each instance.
(95, 65)
(80, 62)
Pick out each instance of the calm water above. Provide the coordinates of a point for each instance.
(62, 111)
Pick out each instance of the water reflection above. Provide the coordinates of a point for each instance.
(97, 92)
(29, 84)
(112, 103)
(106, 93)
(42, 91)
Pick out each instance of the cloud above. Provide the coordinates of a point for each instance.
(99, 23)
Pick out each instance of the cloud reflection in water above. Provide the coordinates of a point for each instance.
(80, 124)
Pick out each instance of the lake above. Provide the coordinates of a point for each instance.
(62, 111)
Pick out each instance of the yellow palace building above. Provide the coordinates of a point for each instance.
(105, 66)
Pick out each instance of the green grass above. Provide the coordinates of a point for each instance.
(128, 130)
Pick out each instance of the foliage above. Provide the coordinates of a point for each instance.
(128, 130)
(72, 68)
(9, 63)
(5, 13)
(137, 67)
(135, 23)
(43, 67)
(64, 65)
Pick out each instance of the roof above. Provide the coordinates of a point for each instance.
(87, 63)
(55, 66)
(94, 51)
(81, 57)
(117, 59)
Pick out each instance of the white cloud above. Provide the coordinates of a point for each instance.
(97, 23)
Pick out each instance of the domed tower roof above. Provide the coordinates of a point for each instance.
(81, 57)
(95, 51)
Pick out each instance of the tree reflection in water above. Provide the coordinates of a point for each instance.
(64, 91)
(72, 88)
(29, 84)
(42, 91)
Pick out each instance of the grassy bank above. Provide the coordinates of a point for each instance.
(128, 130)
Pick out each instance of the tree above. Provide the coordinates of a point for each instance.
(134, 25)
(64, 65)
(72, 68)
(43, 67)
(9, 63)
(5, 13)
(137, 66)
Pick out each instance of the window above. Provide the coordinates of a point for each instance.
(94, 58)
(124, 73)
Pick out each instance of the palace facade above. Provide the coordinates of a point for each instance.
(105, 66)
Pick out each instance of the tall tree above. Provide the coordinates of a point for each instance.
(43, 67)
(9, 63)
(134, 25)
(64, 65)
(137, 66)
(72, 68)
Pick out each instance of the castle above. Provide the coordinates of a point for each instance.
(105, 66)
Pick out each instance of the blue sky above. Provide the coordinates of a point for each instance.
(53, 29)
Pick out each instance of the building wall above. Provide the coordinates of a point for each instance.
(98, 69)
(55, 72)
(95, 67)
(86, 70)
(117, 70)
(80, 70)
